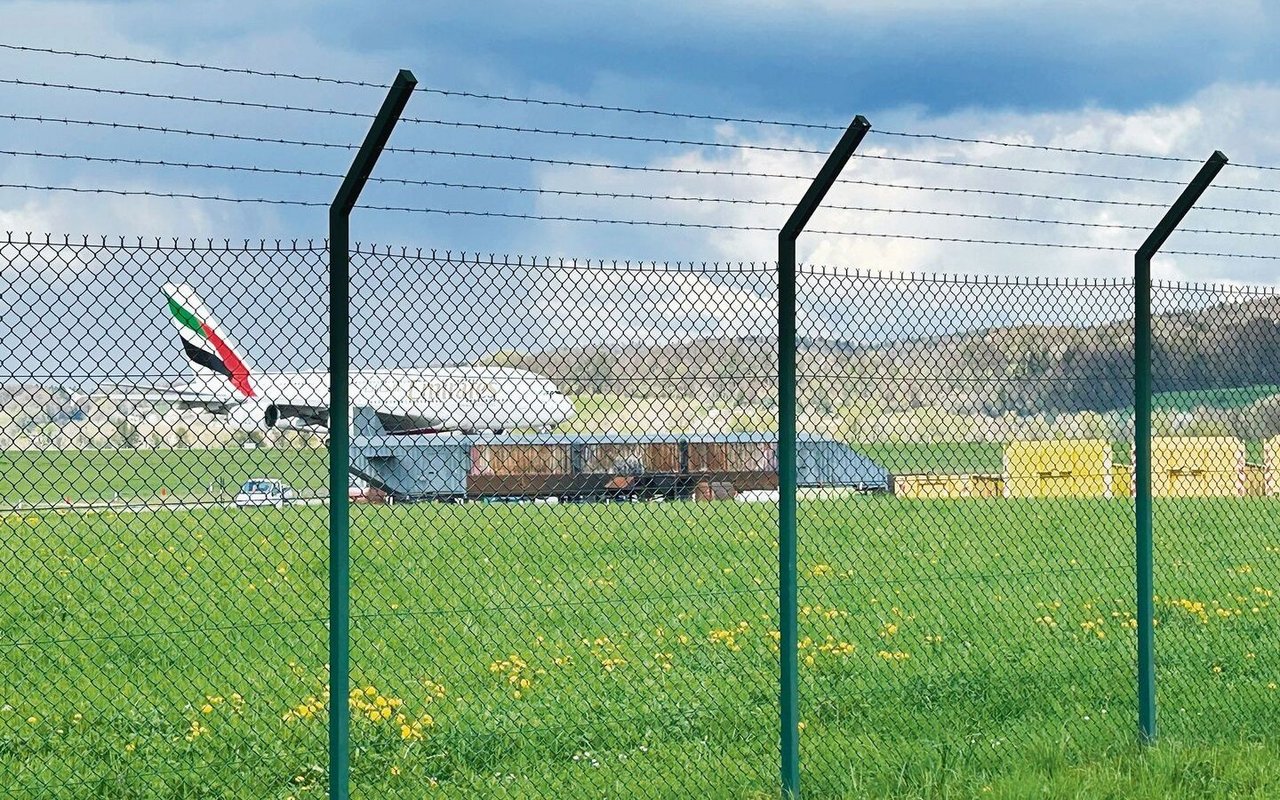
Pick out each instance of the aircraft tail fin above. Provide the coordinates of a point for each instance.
(204, 342)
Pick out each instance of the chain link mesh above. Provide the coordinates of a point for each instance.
(564, 535)
(578, 628)
(157, 622)
(980, 614)
(1214, 475)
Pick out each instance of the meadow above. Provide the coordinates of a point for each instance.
(193, 474)
(948, 649)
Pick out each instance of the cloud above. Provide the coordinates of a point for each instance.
(1237, 119)
(644, 304)
(148, 217)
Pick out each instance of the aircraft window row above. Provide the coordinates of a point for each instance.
(453, 390)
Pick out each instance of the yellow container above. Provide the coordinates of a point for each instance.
(1121, 480)
(1271, 466)
(1058, 468)
(946, 487)
(1197, 466)
(1254, 480)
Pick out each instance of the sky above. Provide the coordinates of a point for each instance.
(1175, 80)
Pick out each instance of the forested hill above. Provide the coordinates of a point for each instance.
(1023, 370)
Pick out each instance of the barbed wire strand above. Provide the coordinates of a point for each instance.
(163, 62)
(797, 124)
(615, 137)
(608, 221)
(538, 190)
(625, 167)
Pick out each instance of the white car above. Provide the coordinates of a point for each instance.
(264, 492)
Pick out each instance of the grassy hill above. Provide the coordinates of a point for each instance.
(1024, 370)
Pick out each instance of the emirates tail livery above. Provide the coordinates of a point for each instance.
(407, 401)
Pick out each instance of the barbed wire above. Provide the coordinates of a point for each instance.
(602, 195)
(177, 195)
(624, 167)
(820, 231)
(609, 220)
(1085, 151)
(185, 98)
(812, 151)
(136, 126)
(162, 62)
(616, 137)
(789, 176)
(148, 162)
(796, 124)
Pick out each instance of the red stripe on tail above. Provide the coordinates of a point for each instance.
(239, 372)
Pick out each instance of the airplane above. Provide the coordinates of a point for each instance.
(407, 402)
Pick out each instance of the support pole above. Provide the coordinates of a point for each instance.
(340, 431)
(787, 590)
(1142, 390)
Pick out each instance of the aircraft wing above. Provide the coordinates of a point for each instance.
(182, 397)
(410, 424)
(317, 416)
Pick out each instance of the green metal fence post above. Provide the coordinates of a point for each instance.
(1142, 438)
(339, 431)
(787, 590)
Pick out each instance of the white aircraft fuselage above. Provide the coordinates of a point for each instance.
(406, 401)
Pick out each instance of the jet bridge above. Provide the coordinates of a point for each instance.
(408, 466)
(599, 466)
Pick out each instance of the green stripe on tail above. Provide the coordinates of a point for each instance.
(185, 317)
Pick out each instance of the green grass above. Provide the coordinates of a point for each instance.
(645, 632)
(1234, 397)
(906, 458)
(51, 476)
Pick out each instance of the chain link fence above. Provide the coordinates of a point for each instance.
(162, 566)
(564, 563)
(982, 613)
(1215, 473)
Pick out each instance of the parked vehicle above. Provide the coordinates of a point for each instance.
(264, 492)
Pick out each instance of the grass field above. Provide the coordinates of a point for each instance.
(906, 458)
(1234, 397)
(50, 476)
(949, 649)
